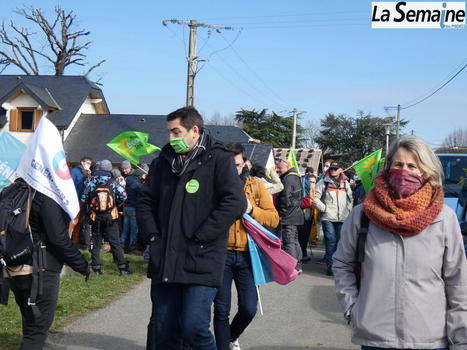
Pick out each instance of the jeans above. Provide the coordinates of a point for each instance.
(181, 312)
(129, 226)
(364, 347)
(237, 268)
(35, 331)
(332, 233)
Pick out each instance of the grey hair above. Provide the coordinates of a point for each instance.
(426, 159)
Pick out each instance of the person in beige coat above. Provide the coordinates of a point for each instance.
(413, 280)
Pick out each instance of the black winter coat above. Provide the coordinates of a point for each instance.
(289, 200)
(190, 229)
(50, 222)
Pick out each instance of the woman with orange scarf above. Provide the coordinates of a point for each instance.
(413, 281)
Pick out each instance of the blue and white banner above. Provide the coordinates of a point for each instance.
(11, 151)
(43, 166)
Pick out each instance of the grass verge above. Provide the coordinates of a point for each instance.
(76, 297)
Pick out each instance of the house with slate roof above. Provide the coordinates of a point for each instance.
(24, 99)
(79, 110)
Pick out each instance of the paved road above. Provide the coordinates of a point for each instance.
(302, 315)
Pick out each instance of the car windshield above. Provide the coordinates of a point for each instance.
(453, 167)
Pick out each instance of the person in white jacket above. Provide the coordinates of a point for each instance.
(413, 279)
(334, 201)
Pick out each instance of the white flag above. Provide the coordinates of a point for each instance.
(43, 166)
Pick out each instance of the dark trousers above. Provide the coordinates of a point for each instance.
(364, 347)
(180, 312)
(290, 241)
(35, 330)
(237, 269)
(304, 236)
(110, 233)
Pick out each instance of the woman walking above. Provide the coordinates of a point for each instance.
(413, 282)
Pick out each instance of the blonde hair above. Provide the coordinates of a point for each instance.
(426, 159)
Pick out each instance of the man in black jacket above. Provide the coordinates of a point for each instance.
(288, 205)
(190, 199)
(49, 221)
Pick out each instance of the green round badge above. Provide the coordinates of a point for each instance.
(192, 186)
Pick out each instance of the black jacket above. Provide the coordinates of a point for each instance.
(289, 200)
(191, 229)
(50, 222)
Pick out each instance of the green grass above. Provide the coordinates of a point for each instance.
(76, 297)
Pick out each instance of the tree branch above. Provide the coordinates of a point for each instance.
(94, 66)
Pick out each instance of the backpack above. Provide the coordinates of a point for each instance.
(102, 205)
(18, 245)
(16, 241)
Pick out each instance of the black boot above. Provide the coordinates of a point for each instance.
(125, 269)
(97, 270)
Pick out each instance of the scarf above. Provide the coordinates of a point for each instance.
(181, 161)
(405, 217)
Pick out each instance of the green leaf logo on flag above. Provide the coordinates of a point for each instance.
(367, 168)
(131, 145)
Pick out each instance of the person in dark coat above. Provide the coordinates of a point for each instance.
(49, 221)
(79, 174)
(130, 229)
(288, 204)
(191, 197)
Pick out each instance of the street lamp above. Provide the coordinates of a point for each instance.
(387, 129)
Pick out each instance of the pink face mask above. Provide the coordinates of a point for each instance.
(404, 183)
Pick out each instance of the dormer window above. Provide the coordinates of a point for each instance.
(24, 119)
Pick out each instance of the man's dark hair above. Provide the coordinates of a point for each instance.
(258, 171)
(329, 160)
(85, 159)
(189, 117)
(237, 148)
(309, 170)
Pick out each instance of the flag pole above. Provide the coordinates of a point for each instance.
(259, 301)
(141, 169)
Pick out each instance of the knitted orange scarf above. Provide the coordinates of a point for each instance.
(405, 217)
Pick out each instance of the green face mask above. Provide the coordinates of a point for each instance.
(179, 145)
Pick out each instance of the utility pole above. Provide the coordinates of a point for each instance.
(294, 131)
(192, 57)
(192, 63)
(398, 120)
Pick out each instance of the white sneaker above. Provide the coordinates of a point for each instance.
(235, 345)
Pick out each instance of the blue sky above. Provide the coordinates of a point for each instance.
(317, 56)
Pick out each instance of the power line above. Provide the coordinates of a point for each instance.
(247, 81)
(287, 15)
(432, 93)
(256, 74)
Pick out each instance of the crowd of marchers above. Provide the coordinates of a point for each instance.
(396, 253)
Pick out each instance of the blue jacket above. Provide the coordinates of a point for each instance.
(133, 186)
(78, 179)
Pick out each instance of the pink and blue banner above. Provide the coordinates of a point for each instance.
(268, 260)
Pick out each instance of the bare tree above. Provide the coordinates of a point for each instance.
(217, 119)
(311, 131)
(61, 44)
(456, 138)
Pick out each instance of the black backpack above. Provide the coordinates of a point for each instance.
(16, 241)
(18, 246)
(361, 241)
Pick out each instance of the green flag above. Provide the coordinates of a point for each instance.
(367, 168)
(292, 160)
(131, 145)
